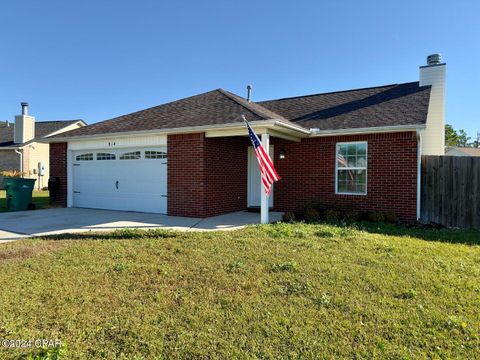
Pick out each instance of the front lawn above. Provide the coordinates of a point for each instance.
(40, 199)
(267, 292)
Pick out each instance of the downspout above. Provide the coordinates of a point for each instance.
(21, 160)
(419, 174)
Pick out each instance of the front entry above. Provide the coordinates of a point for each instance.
(254, 179)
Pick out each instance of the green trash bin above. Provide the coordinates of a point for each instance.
(19, 193)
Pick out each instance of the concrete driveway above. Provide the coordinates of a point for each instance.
(22, 224)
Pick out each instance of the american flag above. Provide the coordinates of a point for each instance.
(267, 170)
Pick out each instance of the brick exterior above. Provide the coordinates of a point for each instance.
(308, 174)
(58, 169)
(186, 176)
(226, 166)
(206, 176)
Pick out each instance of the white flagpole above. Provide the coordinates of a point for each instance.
(264, 203)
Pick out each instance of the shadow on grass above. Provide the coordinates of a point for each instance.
(468, 237)
(124, 234)
(455, 236)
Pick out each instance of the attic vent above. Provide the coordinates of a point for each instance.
(434, 59)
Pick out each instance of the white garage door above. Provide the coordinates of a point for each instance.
(123, 179)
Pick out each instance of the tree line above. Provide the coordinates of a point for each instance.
(460, 138)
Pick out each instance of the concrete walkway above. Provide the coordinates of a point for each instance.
(23, 224)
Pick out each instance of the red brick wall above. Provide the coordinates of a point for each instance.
(308, 173)
(226, 162)
(58, 168)
(206, 176)
(186, 175)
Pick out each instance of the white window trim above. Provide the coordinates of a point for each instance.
(351, 168)
(78, 157)
(123, 153)
(164, 154)
(119, 152)
(110, 153)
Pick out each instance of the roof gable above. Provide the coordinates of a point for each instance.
(42, 129)
(215, 107)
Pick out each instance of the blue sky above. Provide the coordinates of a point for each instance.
(98, 59)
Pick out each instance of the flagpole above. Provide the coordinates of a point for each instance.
(264, 208)
(268, 172)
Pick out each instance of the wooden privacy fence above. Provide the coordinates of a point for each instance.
(451, 191)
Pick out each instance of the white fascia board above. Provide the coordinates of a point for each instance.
(182, 130)
(259, 125)
(369, 130)
(293, 127)
(81, 123)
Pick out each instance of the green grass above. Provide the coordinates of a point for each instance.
(40, 199)
(267, 292)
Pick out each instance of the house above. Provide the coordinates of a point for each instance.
(21, 150)
(359, 149)
(462, 151)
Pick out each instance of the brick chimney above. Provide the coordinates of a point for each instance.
(24, 129)
(433, 137)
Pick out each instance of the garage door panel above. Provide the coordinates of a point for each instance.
(126, 202)
(131, 185)
(143, 177)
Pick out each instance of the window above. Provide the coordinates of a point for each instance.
(134, 155)
(155, 155)
(105, 156)
(84, 157)
(351, 168)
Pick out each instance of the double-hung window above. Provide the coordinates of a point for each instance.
(351, 168)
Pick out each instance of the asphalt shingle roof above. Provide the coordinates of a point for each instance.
(211, 108)
(389, 105)
(470, 151)
(42, 129)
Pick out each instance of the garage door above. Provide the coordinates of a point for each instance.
(127, 179)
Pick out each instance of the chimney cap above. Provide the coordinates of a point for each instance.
(434, 59)
(24, 108)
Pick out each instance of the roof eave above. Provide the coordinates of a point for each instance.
(80, 122)
(369, 130)
(271, 123)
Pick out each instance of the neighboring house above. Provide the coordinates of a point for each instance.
(358, 149)
(21, 150)
(462, 151)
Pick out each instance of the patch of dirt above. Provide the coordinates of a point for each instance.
(23, 249)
